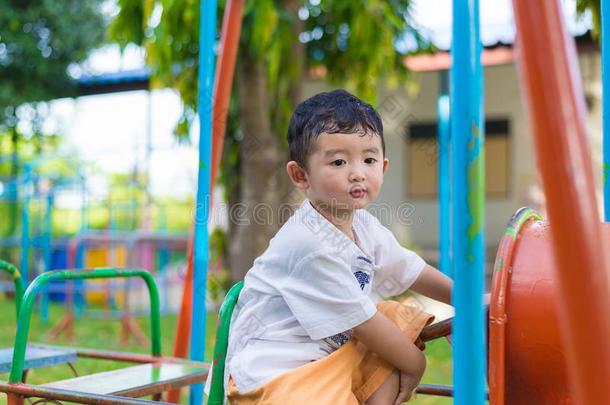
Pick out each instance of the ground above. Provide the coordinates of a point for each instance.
(103, 334)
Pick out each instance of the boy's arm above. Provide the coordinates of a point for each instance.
(384, 338)
(433, 284)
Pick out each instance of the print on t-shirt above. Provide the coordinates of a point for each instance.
(362, 271)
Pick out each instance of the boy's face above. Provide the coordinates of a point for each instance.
(344, 171)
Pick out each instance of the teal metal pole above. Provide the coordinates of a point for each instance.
(467, 165)
(25, 224)
(27, 304)
(46, 252)
(207, 37)
(444, 180)
(605, 40)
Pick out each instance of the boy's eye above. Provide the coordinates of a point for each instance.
(338, 162)
(370, 160)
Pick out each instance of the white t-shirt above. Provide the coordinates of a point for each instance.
(305, 293)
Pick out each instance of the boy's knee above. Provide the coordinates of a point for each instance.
(388, 307)
(397, 312)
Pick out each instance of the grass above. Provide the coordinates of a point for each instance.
(104, 334)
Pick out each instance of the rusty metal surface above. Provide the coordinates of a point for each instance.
(437, 330)
(437, 390)
(16, 393)
(134, 357)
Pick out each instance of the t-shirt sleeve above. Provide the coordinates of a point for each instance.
(398, 267)
(324, 296)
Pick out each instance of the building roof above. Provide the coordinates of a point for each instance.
(124, 80)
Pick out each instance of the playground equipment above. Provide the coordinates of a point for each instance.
(133, 243)
(212, 91)
(527, 358)
(34, 191)
(551, 84)
(216, 395)
(153, 374)
(36, 355)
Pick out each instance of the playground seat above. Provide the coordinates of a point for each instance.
(135, 381)
(216, 396)
(38, 356)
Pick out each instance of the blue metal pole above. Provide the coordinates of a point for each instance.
(605, 33)
(467, 160)
(444, 188)
(46, 252)
(207, 36)
(79, 290)
(25, 225)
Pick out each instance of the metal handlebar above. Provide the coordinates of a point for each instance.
(25, 311)
(19, 287)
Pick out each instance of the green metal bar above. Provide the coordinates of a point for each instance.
(222, 341)
(25, 312)
(19, 288)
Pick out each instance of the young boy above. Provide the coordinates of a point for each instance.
(310, 325)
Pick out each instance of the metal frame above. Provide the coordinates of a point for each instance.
(552, 87)
(17, 391)
(468, 191)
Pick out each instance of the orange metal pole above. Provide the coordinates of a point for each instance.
(549, 70)
(225, 69)
(183, 329)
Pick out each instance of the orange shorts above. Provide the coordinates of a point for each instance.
(349, 375)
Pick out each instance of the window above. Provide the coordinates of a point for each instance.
(422, 159)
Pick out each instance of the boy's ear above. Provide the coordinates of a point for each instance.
(386, 163)
(297, 175)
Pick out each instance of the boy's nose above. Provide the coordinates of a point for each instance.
(356, 174)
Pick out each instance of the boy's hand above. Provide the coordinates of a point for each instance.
(406, 388)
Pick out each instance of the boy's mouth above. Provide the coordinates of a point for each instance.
(357, 193)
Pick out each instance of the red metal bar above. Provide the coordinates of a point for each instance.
(17, 392)
(225, 67)
(549, 70)
(183, 328)
(436, 390)
(437, 330)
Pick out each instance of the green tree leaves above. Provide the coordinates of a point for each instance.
(39, 39)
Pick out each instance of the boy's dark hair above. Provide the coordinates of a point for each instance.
(333, 112)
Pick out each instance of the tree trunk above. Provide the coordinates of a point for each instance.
(266, 193)
(253, 220)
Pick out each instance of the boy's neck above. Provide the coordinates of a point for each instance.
(342, 219)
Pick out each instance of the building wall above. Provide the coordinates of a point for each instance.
(415, 220)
